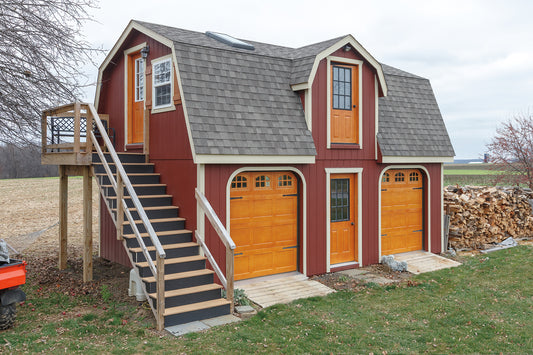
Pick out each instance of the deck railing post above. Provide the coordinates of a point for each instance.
(160, 290)
(44, 132)
(120, 207)
(89, 126)
(77, 125)
(229, 276)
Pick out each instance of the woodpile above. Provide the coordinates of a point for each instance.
(487, 215)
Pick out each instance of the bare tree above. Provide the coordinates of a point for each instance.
(42, 53)
(511, 150)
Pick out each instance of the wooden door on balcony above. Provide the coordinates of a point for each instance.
(136, 95)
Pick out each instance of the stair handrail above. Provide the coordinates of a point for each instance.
(158, 269)
(228, 279)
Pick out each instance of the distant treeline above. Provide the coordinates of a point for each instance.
(23, 162)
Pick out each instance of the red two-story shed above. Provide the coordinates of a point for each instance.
(316, 159)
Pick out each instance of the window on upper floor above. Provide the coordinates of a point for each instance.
(162, 83)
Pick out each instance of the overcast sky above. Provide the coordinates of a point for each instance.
(477, 54)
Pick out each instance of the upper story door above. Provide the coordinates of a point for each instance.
(136, 95)
(344, 103)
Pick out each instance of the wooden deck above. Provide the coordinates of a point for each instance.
(421, 261)
(283, 288)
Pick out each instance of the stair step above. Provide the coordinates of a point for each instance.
(146, 200)
(176, 250)
(188, 291)
(181, 275)
(165, 237)
(160, 234)
(128, 167)
(161, 224)
(175, 265)
(195, 306)
(135, 178)
(179, 280)
(196, 311)
(154, 212)
(165, 246)
(176, 260)
(140, 189)
(159, 220)
(124, 157)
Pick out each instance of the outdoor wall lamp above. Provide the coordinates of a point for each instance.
(347, 48)
(145, 51)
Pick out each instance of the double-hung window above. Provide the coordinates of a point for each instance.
(162, 83)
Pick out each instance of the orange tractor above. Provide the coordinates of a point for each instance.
(12, 275)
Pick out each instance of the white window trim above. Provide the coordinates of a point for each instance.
(155, 108)
(303, 194)
(348, 61)
(427, 192)
(359, 236)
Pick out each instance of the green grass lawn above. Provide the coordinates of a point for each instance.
(483, 306)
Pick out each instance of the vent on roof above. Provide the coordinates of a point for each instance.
(230, 41)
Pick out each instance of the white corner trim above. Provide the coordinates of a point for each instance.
(308, 111)
(127, 52)
(183, 104)
(427, 191)
(200, 215)
(443, 246)
(359, 65)
(412, 160)
(376, 116)
(254, 159)
(359, 173)
(304, 202)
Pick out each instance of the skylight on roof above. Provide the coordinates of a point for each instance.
(230, 41)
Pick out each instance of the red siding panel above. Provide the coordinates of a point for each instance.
(110, 248)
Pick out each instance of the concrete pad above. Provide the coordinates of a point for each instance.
(222, 320)
(244, 309)
(182, 329)
(197, 326)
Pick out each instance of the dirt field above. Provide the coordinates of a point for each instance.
(29, 215)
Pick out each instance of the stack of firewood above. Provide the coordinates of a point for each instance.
(480, 216)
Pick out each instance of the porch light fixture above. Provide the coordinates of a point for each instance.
(145, 51)
(347, 48)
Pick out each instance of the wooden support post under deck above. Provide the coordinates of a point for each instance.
(63, 216)
(87, 225)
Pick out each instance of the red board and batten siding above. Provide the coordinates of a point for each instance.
(169, 145)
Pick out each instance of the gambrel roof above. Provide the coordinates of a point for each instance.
(410, 122)
(240, 102)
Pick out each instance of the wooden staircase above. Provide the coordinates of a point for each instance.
(189, 290)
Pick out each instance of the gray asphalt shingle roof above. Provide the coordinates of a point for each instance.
(410, 122)
(239, 102)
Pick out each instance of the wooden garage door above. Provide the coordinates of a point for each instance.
(402, 218)
(264, 223)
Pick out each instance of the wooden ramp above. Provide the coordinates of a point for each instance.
(421, 261)
(282, 288)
